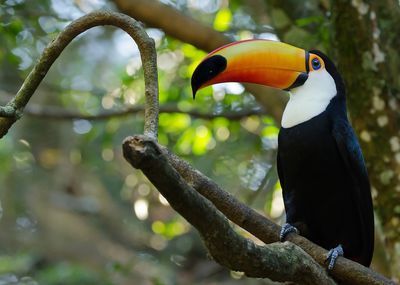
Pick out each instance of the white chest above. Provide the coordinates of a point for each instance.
(310, 99)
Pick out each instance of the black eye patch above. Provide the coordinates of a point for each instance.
(207, 70)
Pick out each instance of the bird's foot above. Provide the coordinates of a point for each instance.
(287, 229)
(333, 255)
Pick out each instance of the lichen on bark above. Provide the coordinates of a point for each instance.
(364, 37)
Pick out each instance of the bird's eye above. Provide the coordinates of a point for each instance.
(316, 64)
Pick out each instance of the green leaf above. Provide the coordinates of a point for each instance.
(270, 132)
(309, 20)
(223, 20)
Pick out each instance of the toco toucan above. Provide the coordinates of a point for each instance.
(325, 184)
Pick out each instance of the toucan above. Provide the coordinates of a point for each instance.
(325, 185)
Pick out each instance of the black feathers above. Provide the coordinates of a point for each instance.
(325, 183)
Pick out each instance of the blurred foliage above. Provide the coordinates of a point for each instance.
(73, 211)
(72, 205)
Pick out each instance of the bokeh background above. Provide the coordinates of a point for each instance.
(72, 210)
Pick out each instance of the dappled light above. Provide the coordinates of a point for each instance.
(73, 211)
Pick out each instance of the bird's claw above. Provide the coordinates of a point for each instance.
(333, 255)
(287, 229)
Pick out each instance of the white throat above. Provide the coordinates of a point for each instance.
(310, 99)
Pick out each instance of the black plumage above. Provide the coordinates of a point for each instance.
(325, 184)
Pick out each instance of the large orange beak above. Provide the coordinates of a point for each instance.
(269, 63)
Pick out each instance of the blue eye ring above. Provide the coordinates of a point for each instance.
(316, 64)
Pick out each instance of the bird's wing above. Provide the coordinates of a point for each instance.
(279, 168)
(351, 154)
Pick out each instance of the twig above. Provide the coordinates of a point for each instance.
(57, 113)
(278, 261)
(12, 111)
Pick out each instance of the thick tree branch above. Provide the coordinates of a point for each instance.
(156, 14)
(267, 231)
(278, 261)
(159, 15)
(13, 110)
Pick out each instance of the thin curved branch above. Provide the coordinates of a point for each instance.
(13, 110)
(278, 261)
(345, 270)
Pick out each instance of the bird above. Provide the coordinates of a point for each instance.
(322, 172)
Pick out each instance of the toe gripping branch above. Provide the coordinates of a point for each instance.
(287, 229)
(333, 255)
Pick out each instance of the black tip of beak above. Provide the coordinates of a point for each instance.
(196, 83)
(195, 87)
(207, 70)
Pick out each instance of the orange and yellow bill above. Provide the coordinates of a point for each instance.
(265, 62)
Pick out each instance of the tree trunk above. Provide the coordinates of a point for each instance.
(367, 39)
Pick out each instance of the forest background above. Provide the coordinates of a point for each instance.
(73, 211)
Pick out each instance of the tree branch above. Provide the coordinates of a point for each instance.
(57, 113)
(13, 110)
(278, 261)
(345, 270)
